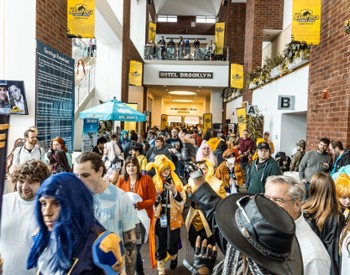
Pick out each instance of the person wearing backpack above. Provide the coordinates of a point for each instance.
(30, 149)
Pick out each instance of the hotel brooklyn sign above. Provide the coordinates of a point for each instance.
(200, 75)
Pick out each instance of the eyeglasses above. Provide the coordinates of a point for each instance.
(205, 148)
(277, 200)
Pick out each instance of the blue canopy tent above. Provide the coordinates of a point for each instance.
(113, 110)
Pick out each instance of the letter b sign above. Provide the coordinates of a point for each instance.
(286, 102)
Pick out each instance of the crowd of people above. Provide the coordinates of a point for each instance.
(91, 215)
(183, 49)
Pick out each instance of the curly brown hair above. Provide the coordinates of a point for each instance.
(34, 170)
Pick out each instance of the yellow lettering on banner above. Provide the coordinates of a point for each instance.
(2, 144)
(4, 127)
(306, 21)
(2, 136)
(81, 18)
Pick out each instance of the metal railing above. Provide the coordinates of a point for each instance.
(185, 53)
(85, 85)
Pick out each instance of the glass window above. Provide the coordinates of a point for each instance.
(167, 18)
(205, 19)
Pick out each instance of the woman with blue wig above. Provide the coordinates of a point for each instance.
(69, 239)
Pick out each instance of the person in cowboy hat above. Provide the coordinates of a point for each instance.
(298, 155)
(255, 236)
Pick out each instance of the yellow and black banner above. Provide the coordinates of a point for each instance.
(81, 18)
(152, 28)
(135, 73)
(163, 121)
(130, 125)
(207, 121)
(4, 128)
(306, 21)
(241, 118)
(236, 77)
(219, 37)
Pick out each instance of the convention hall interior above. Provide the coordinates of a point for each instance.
(180, 86)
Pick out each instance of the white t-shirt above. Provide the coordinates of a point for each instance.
(17, 226)
(114, 210)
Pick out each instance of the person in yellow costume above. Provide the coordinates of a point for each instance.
(265, 138)
(170, 201)
(196, 223)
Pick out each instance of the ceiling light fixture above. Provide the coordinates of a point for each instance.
(182, 93)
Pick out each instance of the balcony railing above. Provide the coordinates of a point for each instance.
(159, 53)
(85, 85)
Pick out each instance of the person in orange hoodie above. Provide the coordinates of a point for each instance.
(143, 194)
(170, 201)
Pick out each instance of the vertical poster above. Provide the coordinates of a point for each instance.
(241, 118)
(207, 122)
(4, 127)
(236, 79)
(81, 18)
(131, 125)
(152, 27)
(90, 130)
(135, 73)
(54, 95)
(163, 121)
(306, 21)
(219, 38)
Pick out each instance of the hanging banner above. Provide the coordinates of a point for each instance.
(306, 21)
(90, 130)
(236, 78)
(219, 38)
(4, 128)
(152, 28)
(207, 122)
(135, 73)
(131, 125)
(241, 118)
(163, 121)
(81, 18)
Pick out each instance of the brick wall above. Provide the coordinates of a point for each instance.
(129, 52)
(330, 69)
(183, 26)
(261, 14)
(51, 25)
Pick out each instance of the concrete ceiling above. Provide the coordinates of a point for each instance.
(187, 7)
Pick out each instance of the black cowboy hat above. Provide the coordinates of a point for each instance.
(262, 231)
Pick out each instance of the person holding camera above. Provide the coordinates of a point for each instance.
(168, 209)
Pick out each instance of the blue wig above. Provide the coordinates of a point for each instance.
(73, 225)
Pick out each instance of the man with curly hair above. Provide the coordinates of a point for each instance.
(17, 223)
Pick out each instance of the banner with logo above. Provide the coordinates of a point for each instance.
(135, 73)
(241, 118)
(131, 125)
(163, 121)
(4, 128)
(306, 21)
(90, 130)
(152, 28)
(219, 37)
(207, 122)
(236, 78)
(81, 18)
